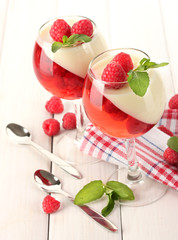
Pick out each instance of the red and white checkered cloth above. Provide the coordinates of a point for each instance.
(149, 149)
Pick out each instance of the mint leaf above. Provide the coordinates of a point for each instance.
(68, 42)
(56, 46)
(138, 79)
(108, 209)
(139, 82)
(122, 190)
(173, 143)
(64, 39)
(90, 192)
(83, 38)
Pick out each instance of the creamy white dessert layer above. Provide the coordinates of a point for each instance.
(148, 108)
(74, 59)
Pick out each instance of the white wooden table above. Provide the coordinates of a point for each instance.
(147, 25)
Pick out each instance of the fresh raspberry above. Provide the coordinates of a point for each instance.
(116, 113)
(51, 127)
(50, 204)
(54, 105)
(124, 60)
(59, 29)
(114, 75)
(165, 130)
(173, 102)
(171, 156)
(135, 126)
(69, 121)
(83, 26)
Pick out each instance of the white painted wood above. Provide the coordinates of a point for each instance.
(150, 27)
(22, 101)
(170, 21)
(3, 15)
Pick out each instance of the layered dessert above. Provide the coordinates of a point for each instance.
(63, 72)
(113, 106)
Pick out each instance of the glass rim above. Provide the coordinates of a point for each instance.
(107, 51)
(68, 16)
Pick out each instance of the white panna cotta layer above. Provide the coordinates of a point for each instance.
(74, 59)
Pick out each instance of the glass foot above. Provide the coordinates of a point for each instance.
(146, 190)
(68, 149)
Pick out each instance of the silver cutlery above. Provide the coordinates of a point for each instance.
(49, 183)
(21, 135)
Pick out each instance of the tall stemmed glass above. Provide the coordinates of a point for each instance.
(62, 72)
(122, 114)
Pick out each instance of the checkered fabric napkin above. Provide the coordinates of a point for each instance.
(149, 149)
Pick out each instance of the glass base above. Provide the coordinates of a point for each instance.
(146, 190)
(68, 148)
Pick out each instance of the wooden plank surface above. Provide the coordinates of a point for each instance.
(128, 23)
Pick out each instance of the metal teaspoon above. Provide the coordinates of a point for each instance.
(22, 136)
(51, 184)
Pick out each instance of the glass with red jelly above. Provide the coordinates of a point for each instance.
(120, 109)
(62, 71)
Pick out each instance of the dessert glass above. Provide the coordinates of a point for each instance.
(62, 73)
(120, 113)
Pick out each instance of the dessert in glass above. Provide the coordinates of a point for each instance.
(63, 50)
(124, 97)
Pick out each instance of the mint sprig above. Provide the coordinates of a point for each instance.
(173, 143)
(138, 78)
(70, 41)
(96, 189)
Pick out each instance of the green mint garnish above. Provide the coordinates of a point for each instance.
(95, 190)
(69, 41)
(122, 190)
(138, 78)
(173, 143)
(90, 192)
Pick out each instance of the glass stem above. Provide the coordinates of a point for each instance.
(134, 174)
(80, 123)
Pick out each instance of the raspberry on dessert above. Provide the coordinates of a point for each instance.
(54, 105)
(116, 113)
(83, 26)
(165, 130)
(50, 204)
(114, 75)
(69, 121)
(51, 127)
(171, 156)
(124, 60)
(59, 29)
(135, 126)
(173, 102)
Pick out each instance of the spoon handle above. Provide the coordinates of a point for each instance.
(60, 162)
(95, 215)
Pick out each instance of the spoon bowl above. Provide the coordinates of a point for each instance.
(18, 133)
(47, 181)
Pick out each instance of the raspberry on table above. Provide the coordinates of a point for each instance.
(165, 130)
(171, 156)
(173, 102)
(114, 75)
(83, 26)
(59, 29)
(50, 204)
(54, 105)
(51, 127)
(124, 60)
(69, 121)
